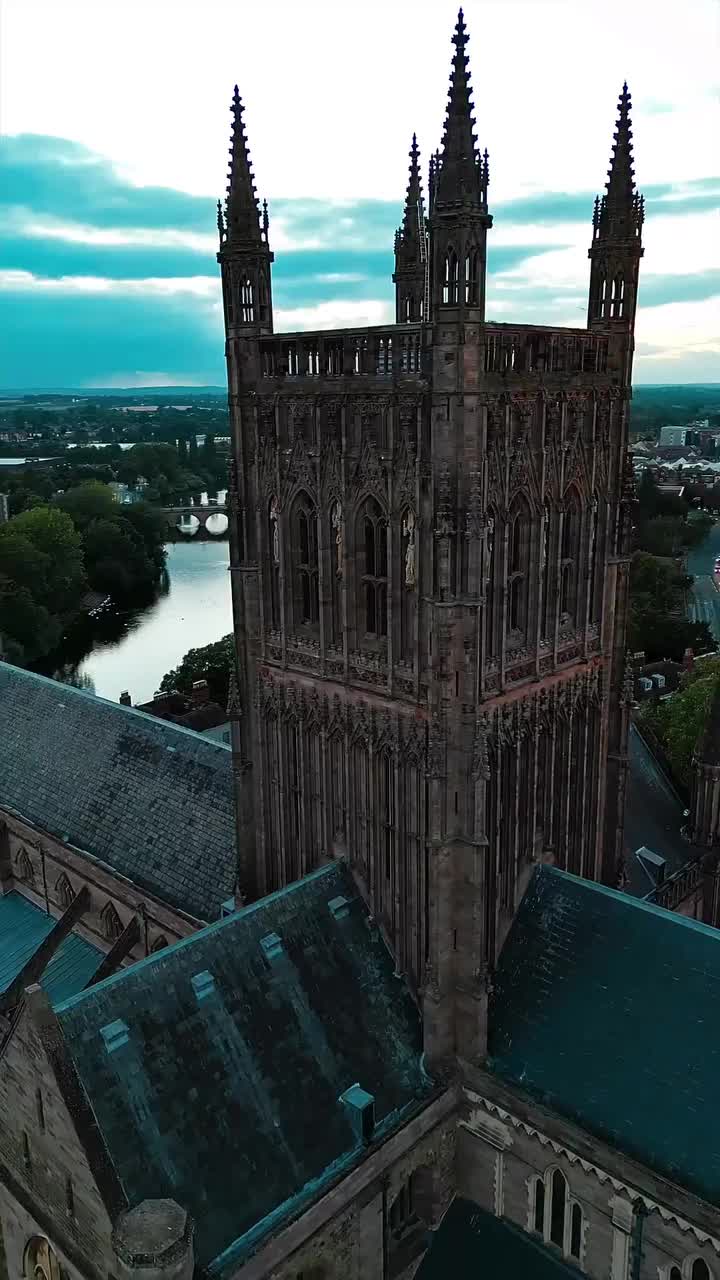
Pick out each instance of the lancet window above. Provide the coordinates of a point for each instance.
(569, 557)
(305, 551)
(373, 557)
(472, 277)
(518, 558)
(247, 301)
(450, 279)
(555, 1215)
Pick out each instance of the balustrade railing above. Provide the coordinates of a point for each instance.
(371, 353)
(532, 349)
(397, 352)
(678, 886)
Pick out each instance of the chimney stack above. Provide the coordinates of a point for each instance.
(125, 699)
(200, 693)
(154, 1241)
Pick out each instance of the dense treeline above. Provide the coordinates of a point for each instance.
(679, 721)
(172, 471)
(52, 554)
(213, 662)
(666, 530)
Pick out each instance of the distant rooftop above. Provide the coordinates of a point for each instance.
(606, 1010)
(150, 799)
(23, 927)
(215, 1068)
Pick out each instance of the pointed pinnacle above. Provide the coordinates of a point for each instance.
(242, 215)
(458, 175)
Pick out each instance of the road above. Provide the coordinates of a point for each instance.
(653, 815)
(705, 598)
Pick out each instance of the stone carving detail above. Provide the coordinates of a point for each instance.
(444, 515)
(266, 468)
(299, 471)
(480, 757)
(408, 528)
(233, 494)
(275, 531)
(337, 524)
(370, 473)
(405, 475)
(475, 527)
(437, 748)
(332, 476)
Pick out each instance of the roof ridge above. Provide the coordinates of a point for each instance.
(109, 702)
(627, 899)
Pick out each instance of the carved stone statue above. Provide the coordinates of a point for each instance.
(274, 530)
(408, 529)
(336, 517)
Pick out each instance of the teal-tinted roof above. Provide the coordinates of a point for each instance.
(23, 926)
(148, 798)
(215, 1068)
(472, 1244)
(607, 1009)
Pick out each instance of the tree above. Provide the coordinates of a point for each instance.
(115, 558)
(213, 663)
(53, 533)
(680, 720)
(660, 636)
(89, 501)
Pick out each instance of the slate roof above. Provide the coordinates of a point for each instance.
(23, 926)
(150, 799)
(607, 1009)
(471, 1243)
(221, 1090)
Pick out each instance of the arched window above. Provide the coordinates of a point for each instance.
(450, 279)
(617, 297)
(373, 556)
(64, 891)
(472, 265)
(25, 867)
(247, 301)
(40, 1260)
(111, 922)
(518, 565)
(402, 1211)
(675, 1274)
(603, 298)
(554, 1215)
(700, 1270)
(305, 553)
(408, 584)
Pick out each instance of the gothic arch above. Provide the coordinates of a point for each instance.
(472, 277)
(519, 524)
(570, 553)
(305, 560)
(111, 923)
(371, 534)
(40, 1261)
(451, 274)
(554, 1214)
(64, 891)
(25, 869)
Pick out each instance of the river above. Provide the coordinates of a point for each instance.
(134, 649)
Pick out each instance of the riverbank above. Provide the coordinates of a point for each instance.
(133, 649)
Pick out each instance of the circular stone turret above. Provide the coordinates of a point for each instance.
(154, 1241)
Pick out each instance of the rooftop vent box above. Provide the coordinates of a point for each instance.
(272, 946)
(652, 864)
(203, 984)
(360, 1107)
(339, 907)
(115, 1035)
(227, 908)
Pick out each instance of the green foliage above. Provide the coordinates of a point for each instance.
(53, 533)
(681, 719)
(89, 501)
(213, 663)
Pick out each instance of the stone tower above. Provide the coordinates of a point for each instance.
(429, 559)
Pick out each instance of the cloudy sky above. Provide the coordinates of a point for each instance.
(115, 124)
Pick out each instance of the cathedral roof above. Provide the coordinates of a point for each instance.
(23, 928)
(470, 1242)
(606, 1010)
(228, 1052)
(148, 798)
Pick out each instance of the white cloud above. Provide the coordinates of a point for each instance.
(334, 315)
(138, 378)
(12, 281)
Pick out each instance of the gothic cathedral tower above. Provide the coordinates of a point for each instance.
(429, 555)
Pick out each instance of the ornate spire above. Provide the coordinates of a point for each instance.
(242, 212)
(620, 213)
(414, 212)
(461, 176)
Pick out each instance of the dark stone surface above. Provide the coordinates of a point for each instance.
(471, 1243)
(155, 1231)
(606, 1009)
(151, 800)
(223, 1090)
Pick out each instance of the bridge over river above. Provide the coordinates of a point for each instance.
(190, 518)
